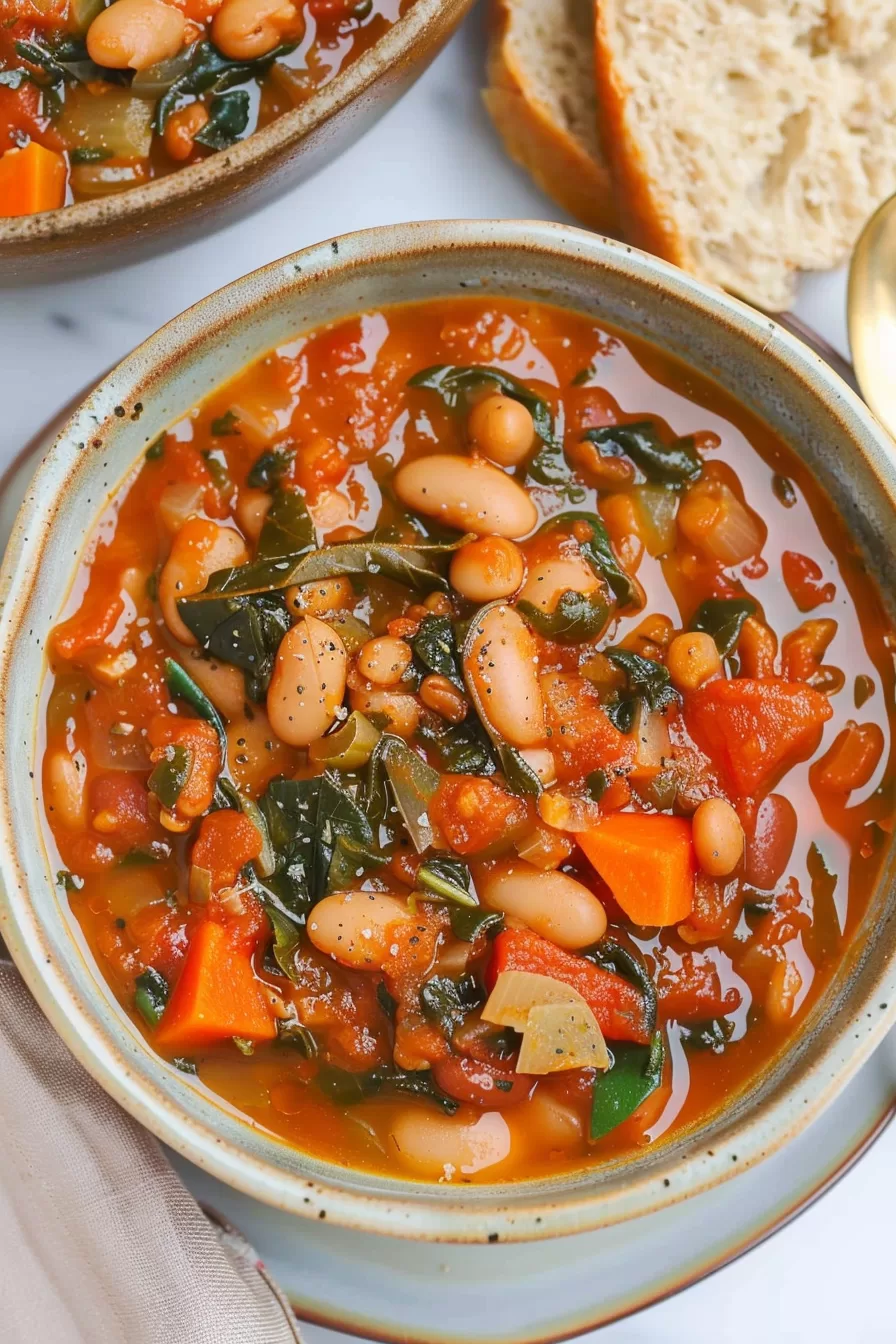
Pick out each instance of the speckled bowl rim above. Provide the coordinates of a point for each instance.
(388, 53)
(508, 1212)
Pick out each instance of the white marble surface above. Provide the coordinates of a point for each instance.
(824, 1278)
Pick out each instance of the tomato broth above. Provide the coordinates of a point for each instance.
(569, 747)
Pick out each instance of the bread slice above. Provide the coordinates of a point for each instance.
(749, 139)
(542, 100)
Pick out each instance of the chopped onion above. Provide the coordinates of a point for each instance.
(200, 884)
(114, 121)
(156, 80)
(349, 747)
(562, 1036)
(652, 745)
(178, 502)
(517, 992)
(568, 814)
(714, 520)
(656, 507)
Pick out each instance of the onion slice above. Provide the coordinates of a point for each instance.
(562, 1036)
(559, 1029)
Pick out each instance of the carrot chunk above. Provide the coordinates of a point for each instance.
(31, 180)
(647, 861)
(217, 996)
(754, 730)
(618, 1006)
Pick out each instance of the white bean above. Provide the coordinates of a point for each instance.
(355, 927)
(308, 683)
(200, 548)
(547, 582)
(467, 493)
(550, 903)
(401, 708)
(444, 1147)
(487, 569)
(64, 790)
(501, 672)
(253, 506)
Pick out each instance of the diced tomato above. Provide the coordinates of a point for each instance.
(474, 814)
(582, 737)
(693, 992)
(617, 1005)
(804, 580)
(754, 730)
(248, 927)
(160, 932)
(216, 997)
(91, 625)
(227, 840)
(119, 807)
(481, 1084)
(647, 861)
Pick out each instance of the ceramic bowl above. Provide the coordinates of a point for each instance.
(195, 201)
(767, 368)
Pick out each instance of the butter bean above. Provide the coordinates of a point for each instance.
(547, 582)
(550, 903)
(467, 493)
(355, 927)
(487, 569)
(308, 683)
(501, 672)
(135, 34)
(200, 548)
(448, 1147)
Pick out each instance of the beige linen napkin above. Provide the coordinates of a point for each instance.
(99, 1240)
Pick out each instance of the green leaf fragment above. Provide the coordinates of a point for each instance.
(636, 1072)
(151, 993)
(170, 775)
(674, 463)
(723, 618)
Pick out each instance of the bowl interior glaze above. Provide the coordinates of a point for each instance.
(768, 369)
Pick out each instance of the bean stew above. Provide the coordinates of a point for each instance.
(468, 743)
(97, 96)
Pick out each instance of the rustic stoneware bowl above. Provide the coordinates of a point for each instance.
(770, 370)
(114, 231)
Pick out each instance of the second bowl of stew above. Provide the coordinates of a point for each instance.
(462, 752)
(128, 125)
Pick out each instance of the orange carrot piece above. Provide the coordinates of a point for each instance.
(217, 996)
(647, 861)
(31, 180)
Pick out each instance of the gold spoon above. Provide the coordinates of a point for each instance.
(871, 313)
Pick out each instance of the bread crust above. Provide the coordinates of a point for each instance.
(560, 166)
(643, 219)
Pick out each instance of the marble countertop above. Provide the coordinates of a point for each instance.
(826, 1276)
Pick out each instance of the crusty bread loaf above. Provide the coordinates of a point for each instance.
(542, 100)
(749, 139)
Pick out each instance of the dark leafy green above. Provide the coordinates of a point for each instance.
(170, 775)
(351, 859)
(447, 877)
(612, 956)
(395, 771)
(520, 777)
(306, 819)
(599, 553)
(464, 748)
(293, 1033)
(267, 469)
(226, 425)
(646, 679)
(347, 1089)
(151, 992)
(596, 784)
(637, 1071)
(448, 1002)
(210, 72)
(182, 686)
(457, 385)
(244, 631)
(287, 535)
(386, 1001)
(673, 463)
(712, 1035)
(576, 618)
(184, 1065)
(435, 646)
(287, 932)
(723, 618)
(86, 155)
(228, 119)
(469, 921)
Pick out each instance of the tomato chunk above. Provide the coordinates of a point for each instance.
(226, 841)
(201, 741)
(754, 730)
(647, 861)
(582, 737)
(217, 996)
(617, 1005)
(475, 814)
